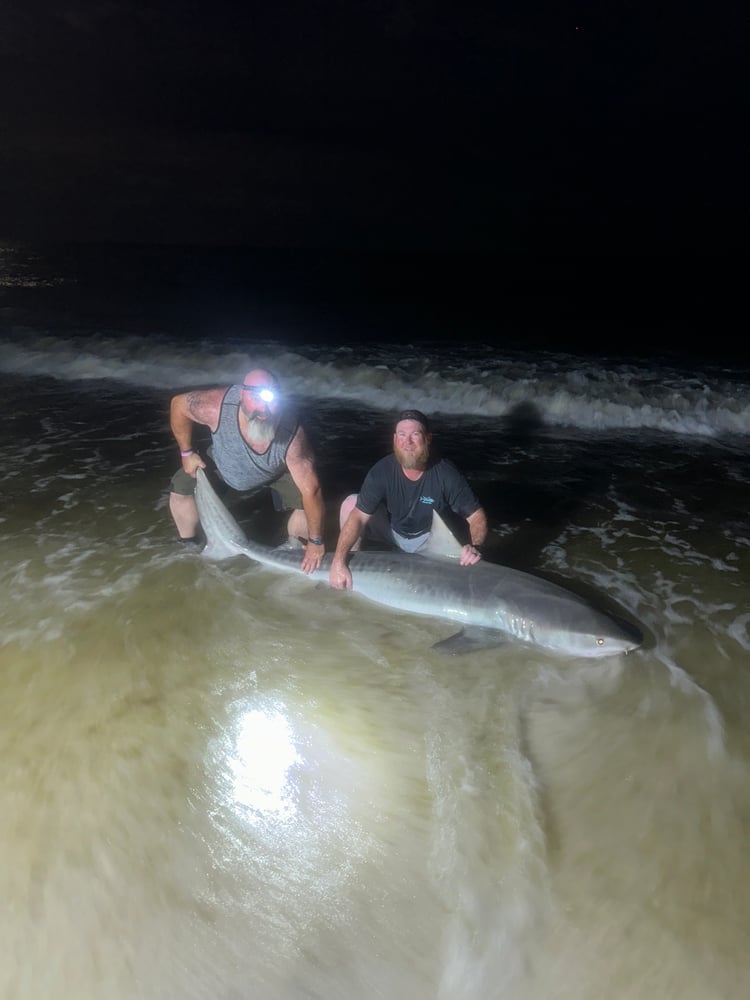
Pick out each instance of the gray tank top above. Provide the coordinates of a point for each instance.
(240, 466)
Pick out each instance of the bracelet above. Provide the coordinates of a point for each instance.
(186, 453)
(315, 541)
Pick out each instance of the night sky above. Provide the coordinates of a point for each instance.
(517, 127)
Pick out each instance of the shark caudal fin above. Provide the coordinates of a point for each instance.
(224, 537)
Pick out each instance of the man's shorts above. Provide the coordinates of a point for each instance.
(379, 529)
(284, 491)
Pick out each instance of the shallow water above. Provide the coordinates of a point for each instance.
(222, 781)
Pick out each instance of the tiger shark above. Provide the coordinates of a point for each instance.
(492, 603)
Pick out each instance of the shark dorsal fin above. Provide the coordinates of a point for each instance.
(442, 543)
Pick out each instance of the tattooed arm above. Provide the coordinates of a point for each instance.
(202, 407)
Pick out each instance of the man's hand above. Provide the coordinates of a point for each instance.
(469, 555)
(313, 557)
(340, 577)
(192, 462)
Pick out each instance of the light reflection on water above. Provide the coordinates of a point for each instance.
(264, 754)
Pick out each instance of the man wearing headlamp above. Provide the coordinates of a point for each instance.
(255, 442)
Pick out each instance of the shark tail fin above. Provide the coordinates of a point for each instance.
(224, 537)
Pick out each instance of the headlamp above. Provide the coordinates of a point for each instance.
(262, 392)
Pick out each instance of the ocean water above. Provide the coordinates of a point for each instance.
(224, 782)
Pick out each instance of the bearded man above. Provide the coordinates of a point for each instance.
(398, 496)
(255, 442)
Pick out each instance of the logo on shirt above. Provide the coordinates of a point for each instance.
(426, 500)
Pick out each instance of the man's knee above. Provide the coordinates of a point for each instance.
(347, 507)
(296, 526)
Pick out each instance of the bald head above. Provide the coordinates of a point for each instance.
(259, 378)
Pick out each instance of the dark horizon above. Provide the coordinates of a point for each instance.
(603, 306)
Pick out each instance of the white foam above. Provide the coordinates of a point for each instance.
(739, 630)
(564, 391)
(680, 679)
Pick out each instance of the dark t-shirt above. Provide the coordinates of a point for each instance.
(410, 504)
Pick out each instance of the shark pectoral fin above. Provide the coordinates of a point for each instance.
(468, 640)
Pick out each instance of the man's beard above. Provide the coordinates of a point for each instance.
(261, 431)
(412, 459)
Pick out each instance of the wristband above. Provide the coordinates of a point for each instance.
(315, 541)
(186, 453)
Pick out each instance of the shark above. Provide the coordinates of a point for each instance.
(492, 604)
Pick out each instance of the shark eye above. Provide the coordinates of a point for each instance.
(600, 642)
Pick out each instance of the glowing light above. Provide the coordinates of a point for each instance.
(262, 392)
(265, 755)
